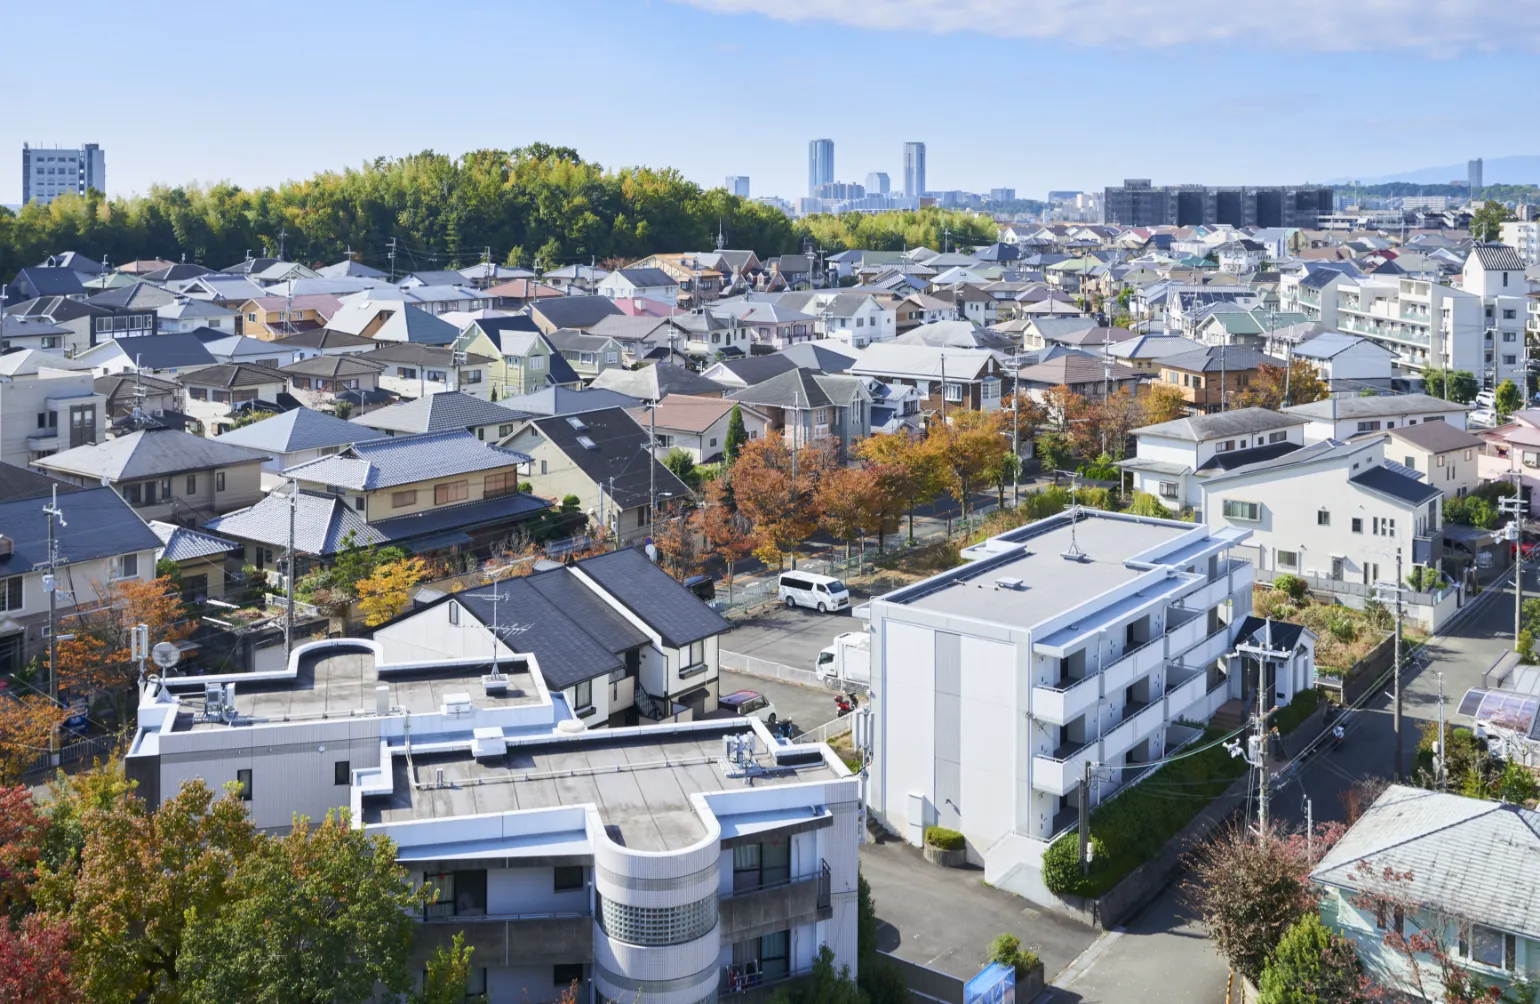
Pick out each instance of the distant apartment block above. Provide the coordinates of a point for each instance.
(738, 184)
(877, 183)
(48, 174)
(1473, 174)
(914, 170)
(1137, 203)
(820, 164)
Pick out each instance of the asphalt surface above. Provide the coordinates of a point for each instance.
(809, 707)
(790, 637)
(1162, 956)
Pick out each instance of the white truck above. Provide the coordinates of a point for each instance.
(847, 664)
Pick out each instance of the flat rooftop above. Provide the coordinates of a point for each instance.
(334, 683)
(640, 784)
(1051, 583)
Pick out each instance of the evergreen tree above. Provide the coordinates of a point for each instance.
(737, 435)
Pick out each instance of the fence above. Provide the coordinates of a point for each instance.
(767, 670)
(828, 730)
(84, 751)
(927, 984)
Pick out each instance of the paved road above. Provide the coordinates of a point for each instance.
(945, 918)
(791, 637)
(1162, 956)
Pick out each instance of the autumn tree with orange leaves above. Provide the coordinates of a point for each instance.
(97, 657)
(728, 534)
(778, 494)
(27, 723)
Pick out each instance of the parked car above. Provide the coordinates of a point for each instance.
(1483, 417)
(750, 704)
(816, 592)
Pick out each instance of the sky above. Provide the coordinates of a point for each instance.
(1025, 94)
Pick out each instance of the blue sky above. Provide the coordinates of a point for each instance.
(1028, 94)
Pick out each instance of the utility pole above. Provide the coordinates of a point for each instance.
(1438, 747)
(1261, 750)
(283, 235)
(1309, 831)
(1016, 443)
(391, 254)
(652, 469)
(51, 583)
(1513, 506)
(1397, 674)
(943, 390)
(288, 621)
(1085, 820)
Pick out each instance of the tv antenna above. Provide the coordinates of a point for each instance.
(1074, 553)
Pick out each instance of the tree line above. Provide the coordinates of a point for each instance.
(535, 204)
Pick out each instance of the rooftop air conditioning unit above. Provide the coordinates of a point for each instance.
(488, 742)
(1010, 583)
(456, 704)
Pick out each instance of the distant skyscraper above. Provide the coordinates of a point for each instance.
(738, 184)
(820, 164)
(914, 170)
(1473, 173)
(48, 174)
(877, 183)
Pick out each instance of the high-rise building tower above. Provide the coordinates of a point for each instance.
(820, 165)
(1473, 173)
(877, 183)
(738, 184)
(914, 170)
(48, 174)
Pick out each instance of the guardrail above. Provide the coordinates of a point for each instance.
(86, 749)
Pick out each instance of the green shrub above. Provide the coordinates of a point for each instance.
(1289, 717)
(1343, 629)
(1134, 827)
(1006, 949)
(1291, 584)
(944, 839)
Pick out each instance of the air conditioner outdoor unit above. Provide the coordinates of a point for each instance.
(457, 704)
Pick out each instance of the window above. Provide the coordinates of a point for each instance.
(1224, 447)
(1277, 437)
(1369, 426)
(128, 566)
(953, 392)
(198, 393)
(342, 773)
(1510, 360)
(1251, 512)
(454, 491)
(460, 894)
(10, 593)
(1322, 517)
(500, 484)
(406, 372)
(583, 695)
(454, 612)
(1168, 489)
(358, 502)
(1507, 335)
(1508, 314)
(219, 481)
(243, 778)
(537, 363)
(476, 983)
(471, 376)
(1288, 559)
(192, 484)
(399, 499)
(567, 878)
(695, 654)
(504, 430)
(434, 375)
(1358, 524)
(1488, 946)
(612, 358)
(756, 866)
(565, 975)
(1440, 462)
(542, 467)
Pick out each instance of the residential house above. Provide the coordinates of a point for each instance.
(218, 395)
(516, 294)
(322, 342)
(241, 349)
(31, 283)
(100, 541)
(696, 275)
(959, 335)
(640, 284)
(1513, 452)
(133, 310)
(1040, 332)
(1343, 417)
(294, 437)
(32, 333)
(789, 271)
(438, 277)
(126, 393)
(440, 299)
(1113, 659)
(162, 355)
(654, 382)
(575, 280)
(602, 458)
(581, 312)
(588, 355)
(945, 377)
(486, 274)
(1446, 870)
(203, 561)
(1143, 353)
(971, 303)
(852, 317)
(188, 314)
(769, 321)
(697, 425)
(271, 317)
(1240, 257)
(47, 403)
(826, 355)
(414, 370)
(1443, 455)
(406, 323)
(444, 411)
(316, 382)
(1348, 364)
(76, 317)
(1092, 377)
(1173, 458)
(921, 308)
(564, 401)
(709, 335)
(166, 474)
(810, 409)
(750, 370)
(1227, 324)
(1211, 378)
(1330, 512)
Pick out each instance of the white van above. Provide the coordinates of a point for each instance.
(816, 592)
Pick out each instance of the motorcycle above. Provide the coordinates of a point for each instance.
(1337, 735)
(844, 704)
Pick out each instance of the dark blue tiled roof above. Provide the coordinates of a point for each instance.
(676, 614)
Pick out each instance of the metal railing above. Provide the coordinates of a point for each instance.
(84, 750)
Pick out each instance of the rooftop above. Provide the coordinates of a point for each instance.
(336, 682)
(639, 780)
(1378, 406)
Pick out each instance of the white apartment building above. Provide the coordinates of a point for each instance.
(47, 404)
(1172, 459)
(666, 862)
(1495, 272)
(1082, 638)
(48, 174)
(1524, 237)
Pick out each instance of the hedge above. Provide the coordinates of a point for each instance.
(1133, 828)
(944, 839)
(1292, 715)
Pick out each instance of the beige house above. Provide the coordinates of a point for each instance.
(1443, 455)
(216, 394)
(697, 425)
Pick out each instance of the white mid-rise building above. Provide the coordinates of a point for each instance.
(48, 174)
(667, 863)
(1524, 237)
(1084, 638)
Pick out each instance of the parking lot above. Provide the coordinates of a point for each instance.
(791, 638)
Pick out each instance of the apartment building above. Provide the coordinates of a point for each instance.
(669, 861)
(47, 174)
(47, 404)
(1495, 273)
(1137, 203)
(1524, 237)
(1082, 638)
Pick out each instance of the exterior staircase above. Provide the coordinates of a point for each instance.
(1230, 715)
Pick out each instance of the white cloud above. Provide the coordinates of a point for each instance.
(1439, 28)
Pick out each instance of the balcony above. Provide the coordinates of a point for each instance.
(1060, 771)
(1062, 704)
(512, 939)
(1184, 629)
(1184, 688)
(1209, 595)
(47, 440)
(1131, 665)
(1214, 645)
(777, 905)
(1139, 720)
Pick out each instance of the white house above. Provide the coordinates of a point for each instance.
(1444, 456)
(1495, 272)
(1344, 417)
(1172, 459)
(1348, 364)
(640, 284)
(1082, 638)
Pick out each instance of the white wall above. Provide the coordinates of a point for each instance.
(908, 727)
(990, 720)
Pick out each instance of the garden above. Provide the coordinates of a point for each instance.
(1343, 635)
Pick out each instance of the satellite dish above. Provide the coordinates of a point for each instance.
(165, 655)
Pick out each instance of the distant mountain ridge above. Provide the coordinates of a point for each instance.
(1524, 170)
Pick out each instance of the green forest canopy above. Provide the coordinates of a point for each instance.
(535, 202)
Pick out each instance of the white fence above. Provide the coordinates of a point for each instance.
(828, 730)
(767, 670)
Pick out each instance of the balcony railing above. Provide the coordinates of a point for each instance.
(820, 875)
(1065, 701)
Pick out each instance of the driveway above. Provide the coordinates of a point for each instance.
(809, 707)
(1161, 956)
(945, 918)
(791, 637)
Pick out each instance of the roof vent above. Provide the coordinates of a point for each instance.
(488, 742)
(382, 699)
(1008, 582)
(456, 704)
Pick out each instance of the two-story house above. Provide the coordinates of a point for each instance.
(959, 378)
(189, 314)
(444, 411)
(166, 474)
(640, 284)
(1211, 378)
(100, 540)
(1343, 417)
(523, 362)
(1173, 458)
(160, 355)
(295, 436)
(602, 458)
(697, 425)
(217, 395)
(1348, 364)
(316, 382)
(414, 370)
(588, 355)
(272, 317)
(47, 403)
(1444, 455)
(697, 276)
(809, 409)
(76, 317)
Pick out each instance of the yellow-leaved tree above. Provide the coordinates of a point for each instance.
(388, 589)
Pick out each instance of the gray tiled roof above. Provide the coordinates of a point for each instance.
(399, 460)
(619, 458)
(1498, 257)
(653, 382)
(298, 429)
(20, 483)
(574, 311)
(321, 522)
(1438, 437)
(1383, 481)
(1467, 857)
(149, 453)
(1379, 406)
(162, 352)
(181, 543)
(561, 401)
(664, 605)
(445, 410)
(647, 277)
(98, 523)
(1236, 422)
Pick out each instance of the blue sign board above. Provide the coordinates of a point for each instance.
(994, 984)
